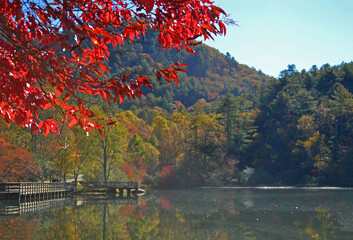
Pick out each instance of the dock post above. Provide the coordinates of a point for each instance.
(121, 192)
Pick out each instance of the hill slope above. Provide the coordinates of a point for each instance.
(210, 73)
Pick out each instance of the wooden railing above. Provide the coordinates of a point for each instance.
(26, 188)
(126, 185)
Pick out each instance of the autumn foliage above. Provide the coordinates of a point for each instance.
(168, 176)
(18, 228)
(134, 171)
(16, 163)
(54, 52)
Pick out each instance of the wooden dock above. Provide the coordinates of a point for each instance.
(42, 190)
(35, 190)
(115, 187)
(28, 197)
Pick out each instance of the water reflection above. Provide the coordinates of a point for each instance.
(194, 214)
(20, 206)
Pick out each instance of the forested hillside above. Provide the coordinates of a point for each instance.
(224, 124)
(155, 138)
(304, 128)
(209, 73)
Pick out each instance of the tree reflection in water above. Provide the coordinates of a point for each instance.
(189, 214)
(18, 227)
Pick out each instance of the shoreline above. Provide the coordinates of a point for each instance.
(283, 188)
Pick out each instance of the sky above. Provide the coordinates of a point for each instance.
(274, 33)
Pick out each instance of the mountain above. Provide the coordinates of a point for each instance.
(210, 73)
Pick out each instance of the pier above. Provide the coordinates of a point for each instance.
(115, 187)
(35, 190)
(29, 197)
(43, 190)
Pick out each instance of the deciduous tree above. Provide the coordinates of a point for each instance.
(54, 52)
(16, 163)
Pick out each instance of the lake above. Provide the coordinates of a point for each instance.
(206, 213)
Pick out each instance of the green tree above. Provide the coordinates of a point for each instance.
(108, 151)
(227, 110)
(138, 148)
(161, 130)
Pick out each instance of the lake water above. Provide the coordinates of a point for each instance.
(209, 213)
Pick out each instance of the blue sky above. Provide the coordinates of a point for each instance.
(274, 33)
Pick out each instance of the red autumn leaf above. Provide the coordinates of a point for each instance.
(110, 123)
(179, 64)
(43, 55)
(121, 99)
(72, 122)
(46, 129)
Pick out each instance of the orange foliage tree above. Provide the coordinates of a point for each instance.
(16, 163)
(168, 176)
(134, 171)
(54, 52)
